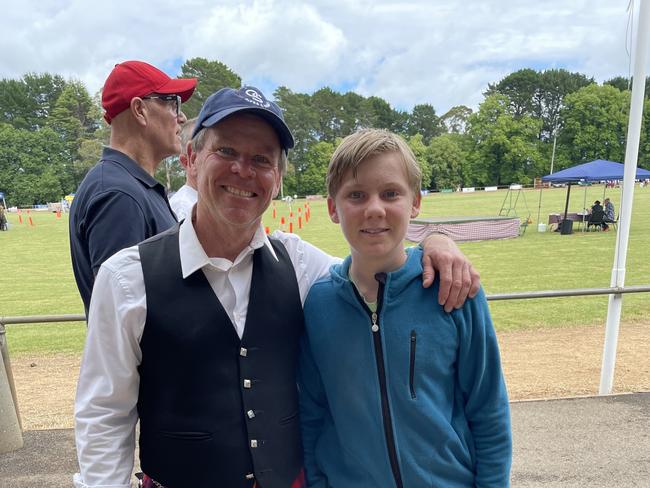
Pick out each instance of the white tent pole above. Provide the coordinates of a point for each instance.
(631, 157)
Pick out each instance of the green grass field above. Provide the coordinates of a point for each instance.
(36, 275)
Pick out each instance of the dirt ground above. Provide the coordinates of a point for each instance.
(545, 363)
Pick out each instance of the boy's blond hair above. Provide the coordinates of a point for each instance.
(365, 143)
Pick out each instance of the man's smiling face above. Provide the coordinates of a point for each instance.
(238, 171)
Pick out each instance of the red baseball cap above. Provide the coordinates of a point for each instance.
(136, 79)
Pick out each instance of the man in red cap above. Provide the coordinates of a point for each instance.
(120, 203)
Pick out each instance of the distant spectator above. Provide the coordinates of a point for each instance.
(597, 216)
(119, 203)
(184, 199)
(610, 212)
(3, 219)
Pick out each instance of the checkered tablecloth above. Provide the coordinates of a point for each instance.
(478, 230)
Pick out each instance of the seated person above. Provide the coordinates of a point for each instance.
(597, 216)
(3, 219)
(609, 211)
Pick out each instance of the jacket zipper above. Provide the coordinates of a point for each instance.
(381, 373)
(412, 365)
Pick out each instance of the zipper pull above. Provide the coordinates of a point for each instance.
(375, 326)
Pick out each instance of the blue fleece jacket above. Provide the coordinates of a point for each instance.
(421, 402)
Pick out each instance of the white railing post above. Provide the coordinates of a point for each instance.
(11, 435)
(629, 175)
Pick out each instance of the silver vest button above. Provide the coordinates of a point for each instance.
(247, 383)
(253, 442)
(251, 414)
(243, 352)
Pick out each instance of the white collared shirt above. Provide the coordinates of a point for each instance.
(182, 201)
(107, 391)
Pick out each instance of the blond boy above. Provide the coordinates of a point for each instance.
(393, 394)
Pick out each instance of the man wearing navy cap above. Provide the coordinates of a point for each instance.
(119, 203)
(195, 331)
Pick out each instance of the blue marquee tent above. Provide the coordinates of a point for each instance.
(598, 170)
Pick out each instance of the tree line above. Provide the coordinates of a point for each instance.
(52, 130)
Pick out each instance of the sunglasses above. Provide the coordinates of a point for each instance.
(167, 98)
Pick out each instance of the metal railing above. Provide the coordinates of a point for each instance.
(40, 319)
(36, 319)
(613, 290)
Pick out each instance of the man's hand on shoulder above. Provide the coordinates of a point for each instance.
(458, 278)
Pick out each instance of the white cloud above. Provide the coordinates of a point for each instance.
(287, 43)
(444, 52)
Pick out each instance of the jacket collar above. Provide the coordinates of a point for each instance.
(396, 281)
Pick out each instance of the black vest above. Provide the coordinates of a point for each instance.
(217, 411)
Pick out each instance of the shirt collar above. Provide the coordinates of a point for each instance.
(193, 256)
(130, 165)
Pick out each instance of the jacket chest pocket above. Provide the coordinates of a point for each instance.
(431, 356)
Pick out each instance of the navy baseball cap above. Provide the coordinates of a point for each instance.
(228, 101)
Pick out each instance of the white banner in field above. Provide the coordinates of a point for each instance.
(490, 188)
(515, 187)
(468, 190)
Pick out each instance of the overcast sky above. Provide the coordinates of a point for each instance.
(442, 52)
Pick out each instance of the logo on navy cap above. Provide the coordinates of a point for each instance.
(256, 98)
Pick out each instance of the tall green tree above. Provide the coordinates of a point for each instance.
(89, 152)
(74, 115)
(504, 146)
(623, 83)
(211, 76)
(32, 166)
(329, 107)
(454, 121)
(446, 156)
(171, 173)
(644, 143)
(620, 82)
(312, 181)
(520, 87)
(419, 148)
(74, 119)
(45, 89)
(26, 103)
(554, 86)
(595, 121)
(304, 123)
(16, 108)
(539, 94)
(378, 113)
(423, 120)
(353, 106)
